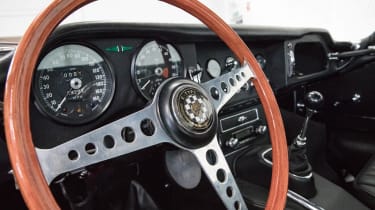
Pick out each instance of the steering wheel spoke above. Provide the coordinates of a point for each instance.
(216, 168)
(223, 88)
(135, 132)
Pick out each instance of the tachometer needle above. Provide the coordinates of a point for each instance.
(145, 85)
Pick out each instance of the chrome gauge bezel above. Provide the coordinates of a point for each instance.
(44, 109)
(182, 69)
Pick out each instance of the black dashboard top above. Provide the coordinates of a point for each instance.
(183, 32)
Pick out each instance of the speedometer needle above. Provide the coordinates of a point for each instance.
(145, 85)
(60, 104)
(62, 101)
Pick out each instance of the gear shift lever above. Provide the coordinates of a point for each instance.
(298, 162)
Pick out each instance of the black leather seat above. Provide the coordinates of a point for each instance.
(365, 183)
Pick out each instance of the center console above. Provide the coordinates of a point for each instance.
(241, 125)
(244, 139)
(252, 168)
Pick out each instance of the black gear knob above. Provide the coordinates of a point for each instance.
(314, 100)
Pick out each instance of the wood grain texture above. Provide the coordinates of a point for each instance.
(24, 161)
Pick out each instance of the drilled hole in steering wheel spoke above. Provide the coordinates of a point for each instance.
(215, 93)
(147, 127)
(221, 175)
(237, 205)
(232, 82)
(224, 87)
(211, 157)
(238, 77)
(90, 148)
(128, 134)
(73, 155)
(108, 142)
(229, 191)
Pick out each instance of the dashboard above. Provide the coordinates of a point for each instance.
(94, 73)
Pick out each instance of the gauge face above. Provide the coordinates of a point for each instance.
(73, 84)
(153, 64)
(213, 68)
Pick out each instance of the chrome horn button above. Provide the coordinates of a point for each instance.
(187, 113)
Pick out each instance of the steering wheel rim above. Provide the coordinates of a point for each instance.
(24, 160)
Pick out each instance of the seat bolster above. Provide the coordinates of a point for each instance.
(365, 183)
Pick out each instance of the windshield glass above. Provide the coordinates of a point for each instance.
(347, 20)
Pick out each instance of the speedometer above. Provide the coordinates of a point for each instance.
(73, 84)
(154, 63)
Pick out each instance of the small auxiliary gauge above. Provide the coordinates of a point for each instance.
(213, 68)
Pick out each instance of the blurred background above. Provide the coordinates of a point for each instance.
(347, 20)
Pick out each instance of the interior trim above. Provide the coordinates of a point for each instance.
(303, 201)
(263, 155)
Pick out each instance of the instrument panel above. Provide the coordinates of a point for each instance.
(75, 83)
(82, 84)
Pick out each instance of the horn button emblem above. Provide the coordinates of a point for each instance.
(195, 109)
(187, 113)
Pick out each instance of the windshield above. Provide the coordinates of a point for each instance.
(347, 20)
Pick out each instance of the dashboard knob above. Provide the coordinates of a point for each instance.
(260, 130)
(232, 142)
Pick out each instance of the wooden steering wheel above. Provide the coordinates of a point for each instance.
(33, 169)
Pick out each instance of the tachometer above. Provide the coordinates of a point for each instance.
(73, 84)
(154, 63)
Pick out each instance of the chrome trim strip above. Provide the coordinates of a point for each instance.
(263, 155)
(246, 123)
(303, 201)
(4, 49)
